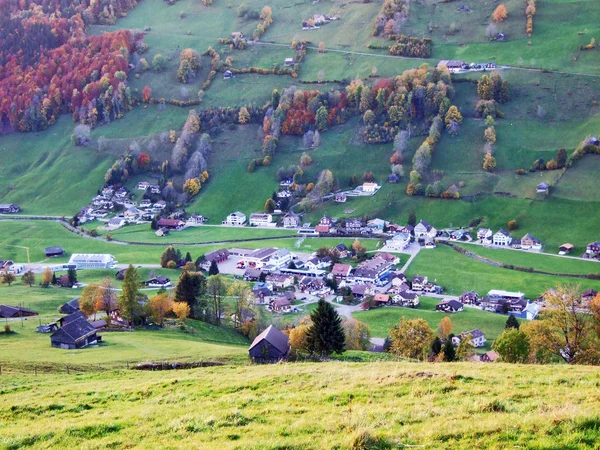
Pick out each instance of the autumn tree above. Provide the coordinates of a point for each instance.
(326, 334)
(359, 248)
(489, 135)
(512, 346)
(28, 278)
(444, 328)
(321, 47)
(88, 298)
(453, 114)
(243, 115)
(8, 278)
(192, 186)
(106, 300)
(465, 348)
(47, 276)
(181, 310)
(489, 162)
(357, 334)
(128, 301)
(298, 337)
(146, 93)
(159, 63)
(411, 339)
(321, 118)
(500, 13)
(160, 306)
(243, 302)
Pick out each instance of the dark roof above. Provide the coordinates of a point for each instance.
(474, 333)
(7, 311)
(74, 330)
(274, 337)
(589, 293)
(71, 306)
(71, 317)
(425, 224)
(53, 250)
(217, 255)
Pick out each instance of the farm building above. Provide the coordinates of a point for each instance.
(52, 252)
(92, 261)
(11, 312)
(565, 249)
(449, 306)
(75, 332)
(159, 282)
(70, 307)
(269, 346)
(9, 208)
(218, 256)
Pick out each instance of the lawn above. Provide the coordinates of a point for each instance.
(381, 320)
(458, 274)
(306, 405)
(580, 182)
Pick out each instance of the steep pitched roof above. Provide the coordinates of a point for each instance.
(274, 337)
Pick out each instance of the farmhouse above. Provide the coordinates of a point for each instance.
(381, 299)
(424, 231)
(171, 224)
(449, 306)
(9, 208)
(70, 307)
(565, 249)
(314, 286)
(363, 290)
(235, 219)
(218, 256)
(269, 346)
(376, 225)
(484, 234)
(398, 242)
(392, 259)
(477, 338)
(75, 332)
(502, 238)
(252, 274)
(280, 280)
(593, 248)
(322, 229)
(92, 261)
(353, 225)
(158, 282)
(469, 298)
(452, 65)
(195, 219)
(340, 250)
(10, 312)
(291, 221)
(280, 304)
(261, 219)
(419, 283)
(115, 223)
(326, 221)
(528, 242)
(405, 298)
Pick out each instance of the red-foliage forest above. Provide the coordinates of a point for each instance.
(49, 66)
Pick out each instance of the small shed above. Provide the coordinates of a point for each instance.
(542, 188)
(566, 248)
(70, 307)
(11, 312)
(288, 62)
(228, 74)
(269, 346)
(52, 252)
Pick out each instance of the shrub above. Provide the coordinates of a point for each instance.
(513, 225)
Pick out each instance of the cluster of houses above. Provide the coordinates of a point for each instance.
(10, 267)
(317, 20)
(503, 302)
(455, 66)
(502, 238)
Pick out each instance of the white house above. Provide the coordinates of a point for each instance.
(405, 298)
(291, 221)
(477, 338)
(237, 219)
(452, 65)
(485, 234)
(281, 258)
(161, 204)
(370, 188)
(502, 238)
(92, 261)
(398, 242)
(419, 283)
(195, 219)
(376, 224)
(424, 230)
(142, 185)
(261, 220)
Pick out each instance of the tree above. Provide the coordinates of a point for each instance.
(412, 218)
(243, 115)
(561, 158)
(326, 334)
(270, 206)
(512, 225)
(28, 278)
(453, 114)
(216, 289)
(500, 13)
(181, 310)
(146, 93)
(436, 346)
(190, 288)
(489, 162)
(359, 248)
(160, 306)
(356, 334)
(511, 322)
(512, 345)
(213, 269)
(47, 277)
(411, 338)
(128, 302)
(243, 301)
(106, 299)
(298, 337)
(465, 348)
(72, 274)
(563, 331)
(449, 351)
(192, 186)
(321, 118)
(489, 135)
(445, 328)
(322, 47)
(88, 299)
(168, 255)
(369, 117)
(159, 63)
(8, 278)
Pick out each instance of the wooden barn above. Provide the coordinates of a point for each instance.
(269, 346)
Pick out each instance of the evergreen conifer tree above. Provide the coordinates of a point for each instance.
(449, 351)
(326, 334)
(512, 322)
(214, 269)
(128, 305)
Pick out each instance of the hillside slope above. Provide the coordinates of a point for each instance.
(451, 406)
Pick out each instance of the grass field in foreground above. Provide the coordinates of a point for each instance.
(458, 273)
(307, 406)
(381, 320)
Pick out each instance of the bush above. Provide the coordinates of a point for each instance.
(513, 225)
(520, 172)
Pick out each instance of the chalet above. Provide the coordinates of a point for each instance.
(340, 197)
(314, 286)
(528, 242)
(280, 304)
(353, 225)
(171, 224)
(161, 232)
(291, 221)
(235, 219)
(565, 249)
(316, 263)
(542, 188)
(490, 356)
(11, 312)
(158, 282)
(115, 223)
(392, 259)
(485, 235)
(326, 220)
(9, 208)
(593, 248)
(424, 231)
(372, 270)
(363, 290)
(398, 242)
(452, 65)
(477, 338)
(280, 280)
(502, 238)
(407, 299)
(377, 225)
(75, 332)
(269, 346)
(261, 219)
(340, 250)
(259, 258)
(419, 283)
(381, 299)
(195, 219)
(449, 306)
(262, 292)
(252, 274)
(341, 271)
(469, 298)
(161, 204)
(459, 235)
(70, 307)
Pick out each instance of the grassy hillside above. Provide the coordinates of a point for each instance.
(451, 406)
